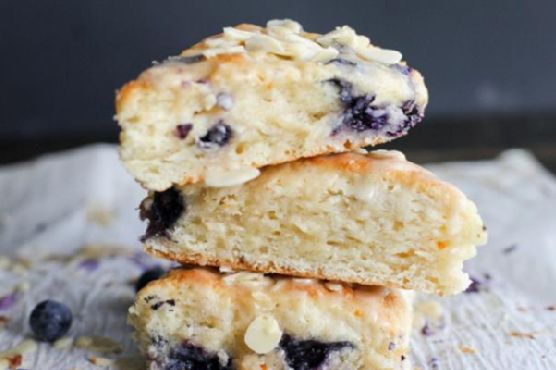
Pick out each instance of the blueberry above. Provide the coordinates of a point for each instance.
(345, 89)
(190, 357)
(412, 117)
(433, 363)
(183, 130)
(148, 276)
(157, 305)
(50, 320)
(308, 354)
(159, 341)
(426, 330)
(359, 113)
(477, 285)
(402, 68)
(217, 135)
(342, 61)
(474, 287)
(167, 206)
(362, 116)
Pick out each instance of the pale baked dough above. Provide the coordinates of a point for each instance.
(372, 219)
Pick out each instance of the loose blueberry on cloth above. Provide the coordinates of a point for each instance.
(50, 320)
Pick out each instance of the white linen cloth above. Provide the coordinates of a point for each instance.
(69, 231)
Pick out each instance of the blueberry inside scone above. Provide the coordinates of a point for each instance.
(254, 96)
(291, 354)
(248, 321)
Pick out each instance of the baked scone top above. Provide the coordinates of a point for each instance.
(287, 38)
(369, 304)
(284, 40)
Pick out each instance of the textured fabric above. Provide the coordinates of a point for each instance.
(71, 218)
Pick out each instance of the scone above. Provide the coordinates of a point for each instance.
(199, 319)
(373, 219)
(253, 96)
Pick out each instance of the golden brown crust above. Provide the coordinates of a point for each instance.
(391, 301)
(123, 95)
(243, 265)
(347, 162)
(360, 163)
(396, 171)
(313, 156)
(211, 277)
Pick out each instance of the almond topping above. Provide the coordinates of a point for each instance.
(263, 334)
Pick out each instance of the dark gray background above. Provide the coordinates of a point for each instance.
(62, 60)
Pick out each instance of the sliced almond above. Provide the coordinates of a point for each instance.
(264, 43)
(325, 55)
(288, 24)
(263, 334)
(343, 35)
(237, 34)
(231, 178)
(380, 55)
(387, 154)
(224, 50)
(247, 278)
(334, 287)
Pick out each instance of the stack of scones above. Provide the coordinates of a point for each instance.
(300, 249)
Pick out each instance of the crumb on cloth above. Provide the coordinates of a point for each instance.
(468, 350)
(100, 215)
(100, 361)
(517, 334)
(99, 344)
(12, 358)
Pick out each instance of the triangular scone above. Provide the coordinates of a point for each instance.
(371, 219)
(200, 319)
(252, 97)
